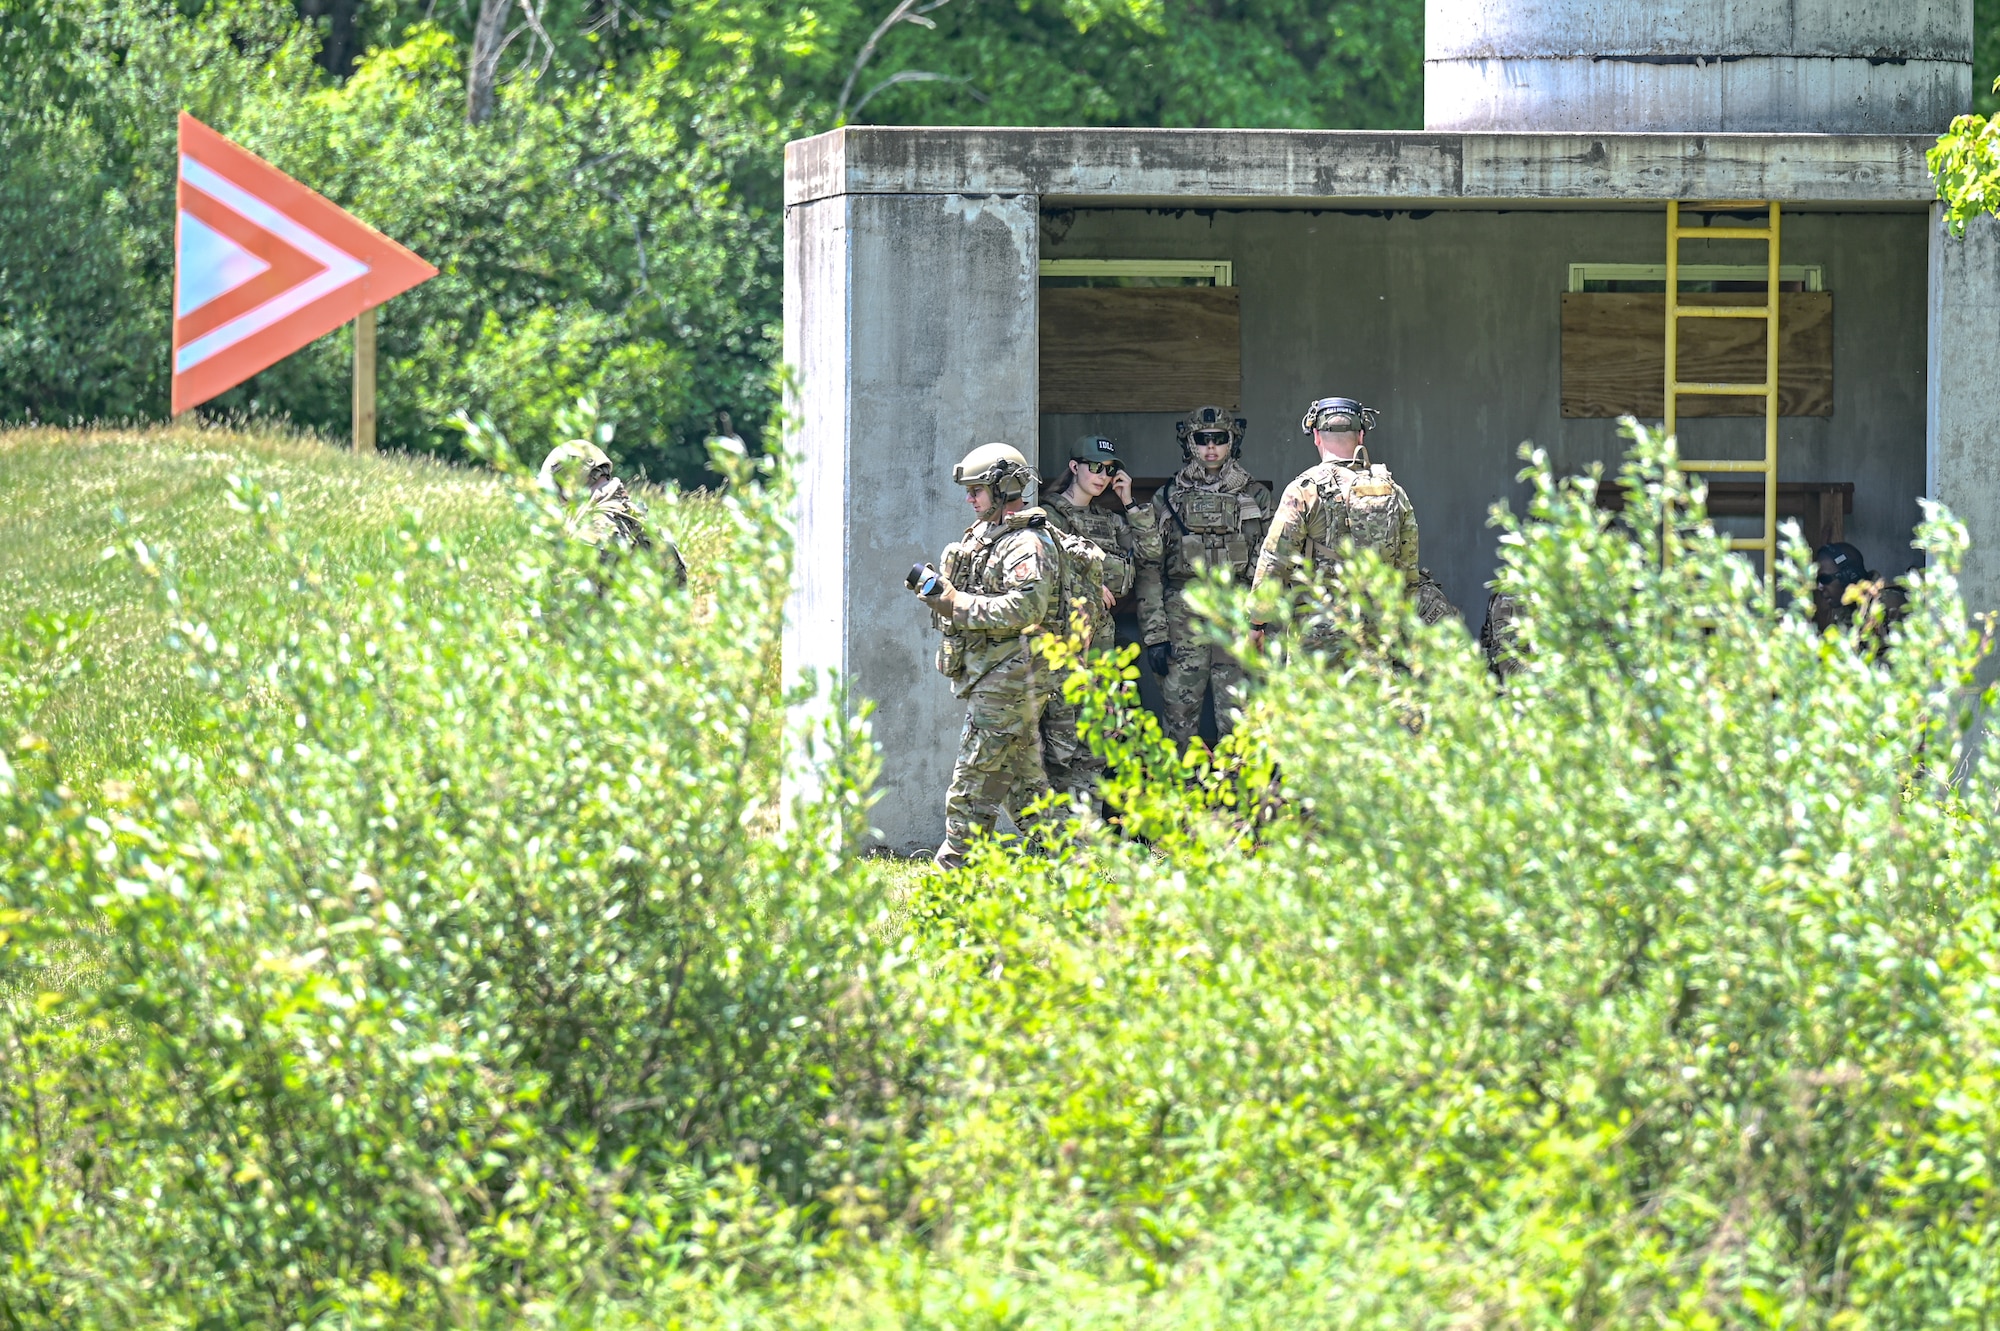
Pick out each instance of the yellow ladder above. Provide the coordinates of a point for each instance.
(1768, 390)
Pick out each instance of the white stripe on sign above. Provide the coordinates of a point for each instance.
(341, 267)
(211, 265)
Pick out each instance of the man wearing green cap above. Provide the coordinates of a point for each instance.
(1093, 499)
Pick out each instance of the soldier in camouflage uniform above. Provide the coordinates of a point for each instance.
(996, 589)
(603, 512)
(1500, 639)
(1212, 513)
(1344, 503)
(1094, 502)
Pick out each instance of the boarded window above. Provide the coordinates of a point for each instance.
(1107, 348)
(1614, 354)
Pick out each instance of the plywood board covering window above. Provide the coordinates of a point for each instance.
(1614, 355)
(1107, 349)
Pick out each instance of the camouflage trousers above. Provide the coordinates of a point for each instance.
(999, 765)
(1072, 768)
(1194, 670)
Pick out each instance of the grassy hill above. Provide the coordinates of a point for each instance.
(68, 498)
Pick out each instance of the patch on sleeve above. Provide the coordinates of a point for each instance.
(1023, 569)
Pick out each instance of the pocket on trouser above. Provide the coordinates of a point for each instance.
(1187, 675)
(981, 778)
(992, 763)
(1060, 745)
(1017, 708)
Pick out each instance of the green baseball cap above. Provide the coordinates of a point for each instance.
(1095, 448)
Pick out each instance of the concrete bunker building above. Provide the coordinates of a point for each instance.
(1494, 278)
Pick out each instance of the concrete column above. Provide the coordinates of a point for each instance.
(910, 328)
(1962, 456)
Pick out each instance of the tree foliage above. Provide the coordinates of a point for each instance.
(1966, 160)
(613, 229)
(1966, 163)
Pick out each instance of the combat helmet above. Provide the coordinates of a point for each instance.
(1339, 415)
(579, 460)
(999, 467)
(1210, 420)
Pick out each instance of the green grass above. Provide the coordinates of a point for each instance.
(67, 496)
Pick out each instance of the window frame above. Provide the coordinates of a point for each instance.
(1810, 276)
(1220, 272)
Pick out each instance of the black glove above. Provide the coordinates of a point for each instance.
(1158, 655)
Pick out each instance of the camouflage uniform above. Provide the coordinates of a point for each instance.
(1340, 505)
(1001, 580)
(1204, 520)
(1130, 541)
(1499, 637)
(608, 517)
(1329, 508)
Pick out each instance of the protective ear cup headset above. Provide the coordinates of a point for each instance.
(1339, 415)
(999, 467)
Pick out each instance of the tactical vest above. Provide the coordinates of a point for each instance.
(1082, 564)
(1210, 524)
(968, 564)
(1110, 534)
(1360, 506)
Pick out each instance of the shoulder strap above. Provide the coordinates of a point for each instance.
(1167, 498)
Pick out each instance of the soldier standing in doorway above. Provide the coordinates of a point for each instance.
(997, 587)
(1344, 503)
(1095, 503)
(1212, 514)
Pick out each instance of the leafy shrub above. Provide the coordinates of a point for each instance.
(1966, 163)
(466, 962)
(1616, 996)
(479, 975)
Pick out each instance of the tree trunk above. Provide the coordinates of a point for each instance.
(483, 70)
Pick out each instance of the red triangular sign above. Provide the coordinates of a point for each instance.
(262, 266)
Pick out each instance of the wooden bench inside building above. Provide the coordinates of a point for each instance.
(1819, 507)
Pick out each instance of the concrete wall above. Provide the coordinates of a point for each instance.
(1449, 323)
(1962, 463)
(1296, 168)
(910, 322)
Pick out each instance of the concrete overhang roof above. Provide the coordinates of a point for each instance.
(1357, 168)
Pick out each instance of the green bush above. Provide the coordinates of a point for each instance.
(475, 970)
(466, 964)
(1623, 995)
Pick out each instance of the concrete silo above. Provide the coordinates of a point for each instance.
(1716, 66)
